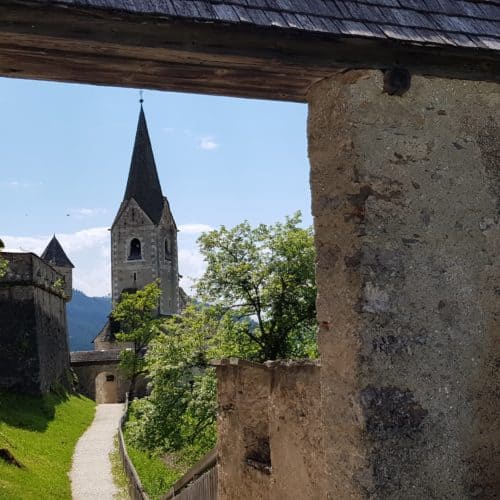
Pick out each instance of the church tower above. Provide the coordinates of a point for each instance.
(144, 234)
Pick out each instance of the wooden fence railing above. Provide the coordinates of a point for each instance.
(199, 482)
(135, 489)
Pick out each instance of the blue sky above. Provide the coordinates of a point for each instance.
(65, 153)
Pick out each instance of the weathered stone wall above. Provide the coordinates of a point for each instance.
(87, 380)
(295, 430)
(67, 273)
(406, 198)
(91, 367)
(103, 345)
(243, 431)
(33, 334)
(269, 431)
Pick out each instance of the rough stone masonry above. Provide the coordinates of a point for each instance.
(34, 354)
(406, 205)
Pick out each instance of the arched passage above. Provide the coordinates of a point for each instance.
(106, 388)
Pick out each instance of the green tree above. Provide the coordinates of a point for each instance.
(256, 301)
(265, 274)
(180, 412)
(137, 315)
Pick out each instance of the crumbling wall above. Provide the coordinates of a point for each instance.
(406, 197)
(269, 438)
(33, 333)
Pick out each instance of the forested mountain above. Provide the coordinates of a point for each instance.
(86, 317)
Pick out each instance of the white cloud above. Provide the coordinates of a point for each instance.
(208, 143)
(89, 250)
(17, 185)
(81, 213)
(191, 267)
(194, 228)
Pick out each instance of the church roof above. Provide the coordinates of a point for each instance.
(55, 255)
(143, 184)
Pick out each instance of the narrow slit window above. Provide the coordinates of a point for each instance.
(168, 249)
(135, 250)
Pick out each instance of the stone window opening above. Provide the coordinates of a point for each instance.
(168, 249)
(135, 252)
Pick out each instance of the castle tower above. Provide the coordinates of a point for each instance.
(57, 258)
(144, 234)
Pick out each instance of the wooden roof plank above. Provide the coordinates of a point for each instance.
(448, 16)
(227, 12)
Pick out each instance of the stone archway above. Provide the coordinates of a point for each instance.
(106, 388)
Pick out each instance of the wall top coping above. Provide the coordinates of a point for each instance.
(26, 268)
(266, 365)
(94, 357)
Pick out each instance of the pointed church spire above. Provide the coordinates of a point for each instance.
(55, 255)
(143, 184)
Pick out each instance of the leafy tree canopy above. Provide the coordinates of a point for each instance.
(137, 315)
(264, 274)
(180, 411)
(255, 301)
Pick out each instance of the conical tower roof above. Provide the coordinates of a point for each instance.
(55, 255)
(143, 183)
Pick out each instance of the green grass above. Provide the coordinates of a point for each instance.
(119, 477)
(156, 477)
(41, 433)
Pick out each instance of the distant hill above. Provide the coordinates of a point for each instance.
(86, 317)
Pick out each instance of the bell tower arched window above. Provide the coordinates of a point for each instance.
(135, 250)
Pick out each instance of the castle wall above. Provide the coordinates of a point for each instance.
(406, 197)
(33, 332)
(91, 369)
(67, 273)
(87, 380)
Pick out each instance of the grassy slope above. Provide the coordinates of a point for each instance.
(156, 477)
(41, 433)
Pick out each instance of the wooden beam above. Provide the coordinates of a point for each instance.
(110, 48)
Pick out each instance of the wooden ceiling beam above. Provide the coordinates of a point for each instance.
(110, 48)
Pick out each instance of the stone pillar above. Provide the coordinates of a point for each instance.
(406, 199)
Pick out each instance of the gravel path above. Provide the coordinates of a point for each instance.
(91, 471)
